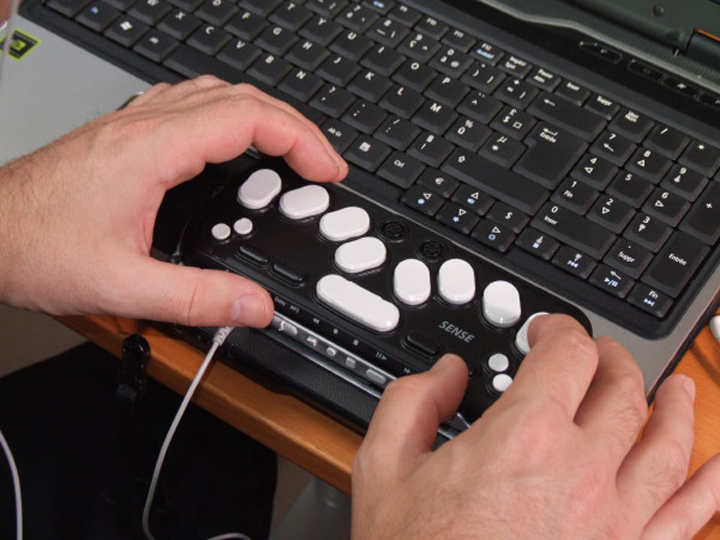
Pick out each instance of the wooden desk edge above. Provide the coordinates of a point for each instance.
(321, 445)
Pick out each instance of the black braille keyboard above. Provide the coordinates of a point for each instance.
(489, 145)
(364, 290)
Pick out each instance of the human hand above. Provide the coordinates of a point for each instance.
(77, 217)
(556, 457)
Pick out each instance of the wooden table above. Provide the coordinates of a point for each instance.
(318, 443)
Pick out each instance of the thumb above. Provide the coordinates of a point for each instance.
(190, 296)
(411, 409)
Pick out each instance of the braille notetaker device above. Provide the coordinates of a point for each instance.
(363, 291)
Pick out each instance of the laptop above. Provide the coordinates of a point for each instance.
(625, 229)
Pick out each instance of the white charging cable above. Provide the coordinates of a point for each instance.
(217, 341)
(16, 487)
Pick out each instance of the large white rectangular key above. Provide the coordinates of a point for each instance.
(359, 304)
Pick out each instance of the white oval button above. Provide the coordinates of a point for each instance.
(360, 255)
(344, 224)
(304, 202)
(243, 226)
(411, 282)
(521, 339)
(456, 282)
(501, 304)
(359, 304)
(259, 189)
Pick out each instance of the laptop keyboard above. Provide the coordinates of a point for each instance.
(473, 136)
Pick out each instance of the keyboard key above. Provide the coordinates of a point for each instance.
(649, 164)
(70, 8)
(702, 157)
(327, 8)
(459, 40)
(551, 155)
(360, 255)
(364, 116)
(358, 18)
(602, 106)
(263, 8)
(339, 134)
(630, 188)
(397, 132)
(666, 206)
(351, 45)
(613, 147)
(246, 25)
(507, 216)
(388, 32)
(270, 69)
(405, 15)
(370, 85)
(419, 47)
(631, 124)
(668, 141)
(458, 218)
(239, 54)
(685, 182)
(628, 257)
(470, 197)
(367, 153)
(402, 101)
(383, 59)
(301, 84)
(544, 79)
(338, 70)
(517, 67)
(468, 134)
(401, 170)
(217, 12)
(423, 200)
(430, 149)
(650, 300)
(611, 281)
(574, 229)
(562, 113)
(291, 16)
(180, 24)
(502, 184)
(611, 213)
(480, 106)
(332, 100)
(126, 30)
(451, 62)
(648, 231)
(98, 16)
(321, 30)
(447, 90)
(432, 27)
(443, 184)
(381, 6)
(513, 122)
(435, 117)
(307, 55)
(516, 93)
(209, 39)
(594, 170)
(484, 77)
(575, 262)
(497, 237)
(415, 75)
(574, 93)
(673, 267)
(156, 45)
(488, 53)
(538, 243)
(703, 220)
(502, 150)
(575, 195)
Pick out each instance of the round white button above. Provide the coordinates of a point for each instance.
(304, 202)
(501, 382)
(411, 282)
(344, 224)
(360, 255)
(521, 339)
(243, 226)
(456, 281)
(221, 231)
(259, 189)
(498, 362)
(501, 304)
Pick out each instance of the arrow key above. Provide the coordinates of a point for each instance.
(496, 236)
(666, 206)
(457, 217)
(423, 200)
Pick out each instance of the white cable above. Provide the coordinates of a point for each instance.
(218, 340)
(16, 486)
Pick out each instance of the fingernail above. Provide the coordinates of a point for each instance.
(689, 386)
(247, 311)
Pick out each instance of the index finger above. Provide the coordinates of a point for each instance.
(560, 366)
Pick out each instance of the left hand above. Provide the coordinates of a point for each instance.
(77, 217)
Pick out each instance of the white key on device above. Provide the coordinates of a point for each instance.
(360, 255)
(359, 304)
(456, 282)
(411, 282)
(501, 304)
(259, 189)
(304, 202)
(343, 224)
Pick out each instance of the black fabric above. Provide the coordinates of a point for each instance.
(85, 462)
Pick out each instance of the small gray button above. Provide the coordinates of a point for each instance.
(221, 231)
(501, 382)
(498, 362)
(377, 378)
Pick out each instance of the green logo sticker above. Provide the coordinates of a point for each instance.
(21, 44)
